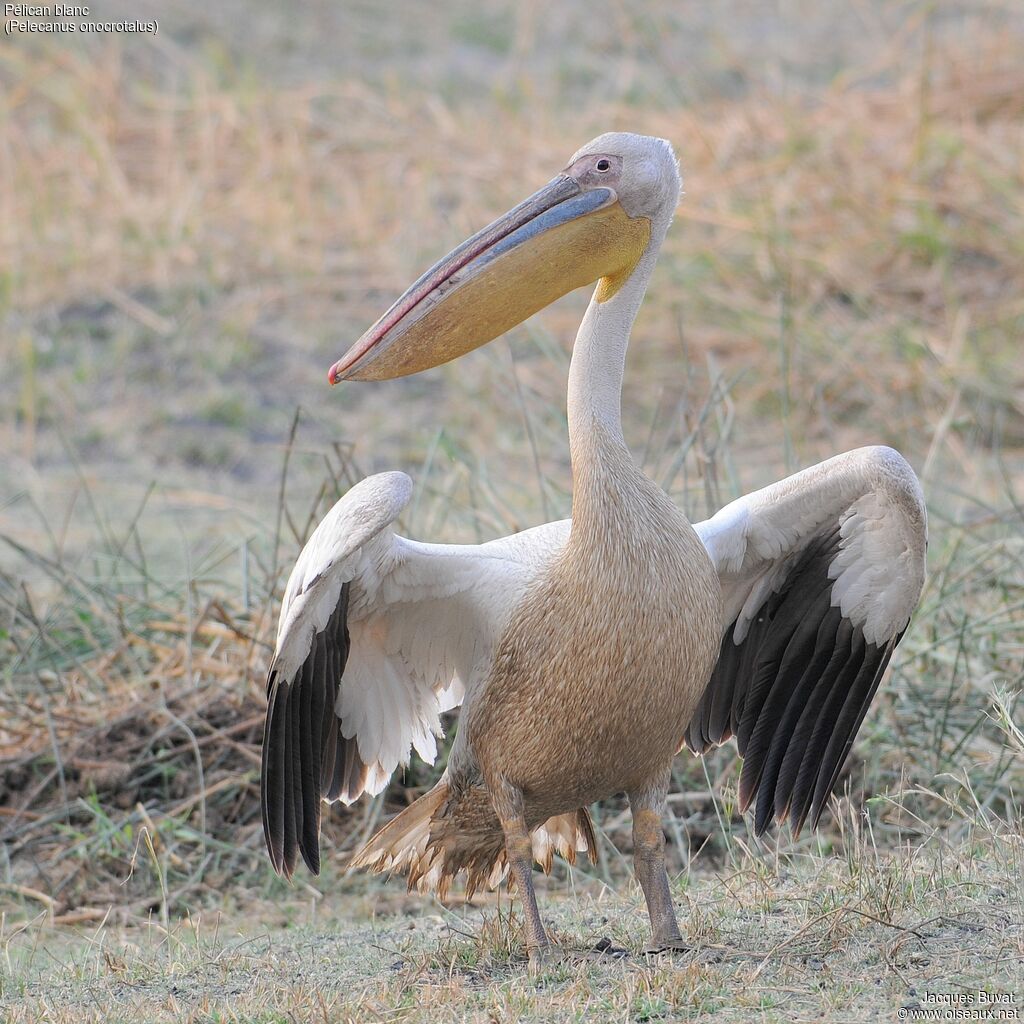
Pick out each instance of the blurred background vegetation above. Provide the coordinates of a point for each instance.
(194, 226)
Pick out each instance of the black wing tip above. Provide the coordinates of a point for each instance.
(300, 713)
(809, 812)
(284, 861)
(311, 857)
(804, 801)
(284, 858)
(766, 821)
(793, 693)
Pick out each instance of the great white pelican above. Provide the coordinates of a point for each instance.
(584, 653)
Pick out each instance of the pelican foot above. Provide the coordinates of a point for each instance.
(667, 946)
(604, 949)
(545, 958)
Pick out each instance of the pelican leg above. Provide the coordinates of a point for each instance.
(508, 804)
(648, 807)
(519, 851)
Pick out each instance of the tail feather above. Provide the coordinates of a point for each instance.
(403, 841)
(441, 835)
(564, 834)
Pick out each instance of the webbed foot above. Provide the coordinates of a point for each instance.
(544, 958)
(671, 945)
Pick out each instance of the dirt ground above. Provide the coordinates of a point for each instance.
(796, 940)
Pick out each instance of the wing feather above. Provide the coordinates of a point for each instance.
(273, 775)
(820, 575)
(378, 635)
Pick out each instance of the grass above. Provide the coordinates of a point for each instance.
(187, 242)
(776, 937)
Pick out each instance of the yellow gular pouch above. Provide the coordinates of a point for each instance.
(632, 243)
(490, 296)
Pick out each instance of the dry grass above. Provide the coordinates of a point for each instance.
(861, 251)
(775, 938)
(183, 255)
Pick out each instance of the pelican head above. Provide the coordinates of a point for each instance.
(593, 222)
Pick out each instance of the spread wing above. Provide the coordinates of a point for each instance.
(377, 637)
(820, 574)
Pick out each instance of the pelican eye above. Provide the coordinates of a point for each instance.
(603, 165)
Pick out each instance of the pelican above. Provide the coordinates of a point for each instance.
(584, 653)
